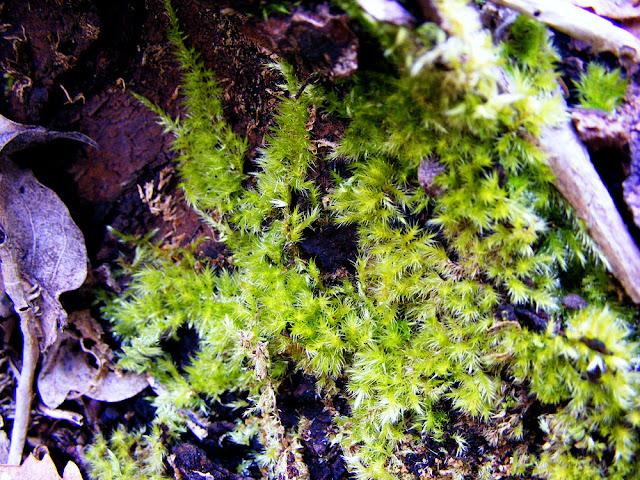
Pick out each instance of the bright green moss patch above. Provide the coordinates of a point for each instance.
(414, 328)
(128, 455)
(528, 48)
(600, 88)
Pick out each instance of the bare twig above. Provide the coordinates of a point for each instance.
(14, 288)
(579, 183)
(601, 34)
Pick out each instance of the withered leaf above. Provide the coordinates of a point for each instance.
(50, 247)
(42, 254)
(16, 136)
(43, 469)
(80, 364)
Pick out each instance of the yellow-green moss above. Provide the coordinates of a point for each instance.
(600, 88)
(415, 327)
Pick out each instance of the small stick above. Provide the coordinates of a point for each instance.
(601, 34)
(30, 351)
(578, 181)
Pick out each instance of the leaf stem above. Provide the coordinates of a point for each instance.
(24, 392)
(14, 287)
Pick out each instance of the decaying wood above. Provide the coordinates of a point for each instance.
(579, 183)
(599, 33)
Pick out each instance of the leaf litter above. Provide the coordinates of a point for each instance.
(79, 364)
(42, 468)
(42, 255)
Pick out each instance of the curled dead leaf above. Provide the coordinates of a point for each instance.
(50, 248)
(42, 254)
(79, 363)
(16, 136)
(39, 469)
(52, 254)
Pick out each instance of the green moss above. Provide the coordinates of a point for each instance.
(528, 48)
(600, 88)
(590, 373)
(212, 170)
(127, 456)
(413, 329)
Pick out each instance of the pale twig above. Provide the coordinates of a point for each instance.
(579, 183)
(13, 285)
(599, 33)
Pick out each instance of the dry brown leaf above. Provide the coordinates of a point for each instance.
(74, 367)
(42, 254)
(16, 136)
(117, 386)
(43, 469)
(52, 251)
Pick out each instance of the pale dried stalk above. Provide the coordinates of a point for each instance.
(601, 34)
(24, 392)
(578, 181)
(14, 288)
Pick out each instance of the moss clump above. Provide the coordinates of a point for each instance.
(528, 48)
(600, 88)
(128, 455)
(415, 327)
